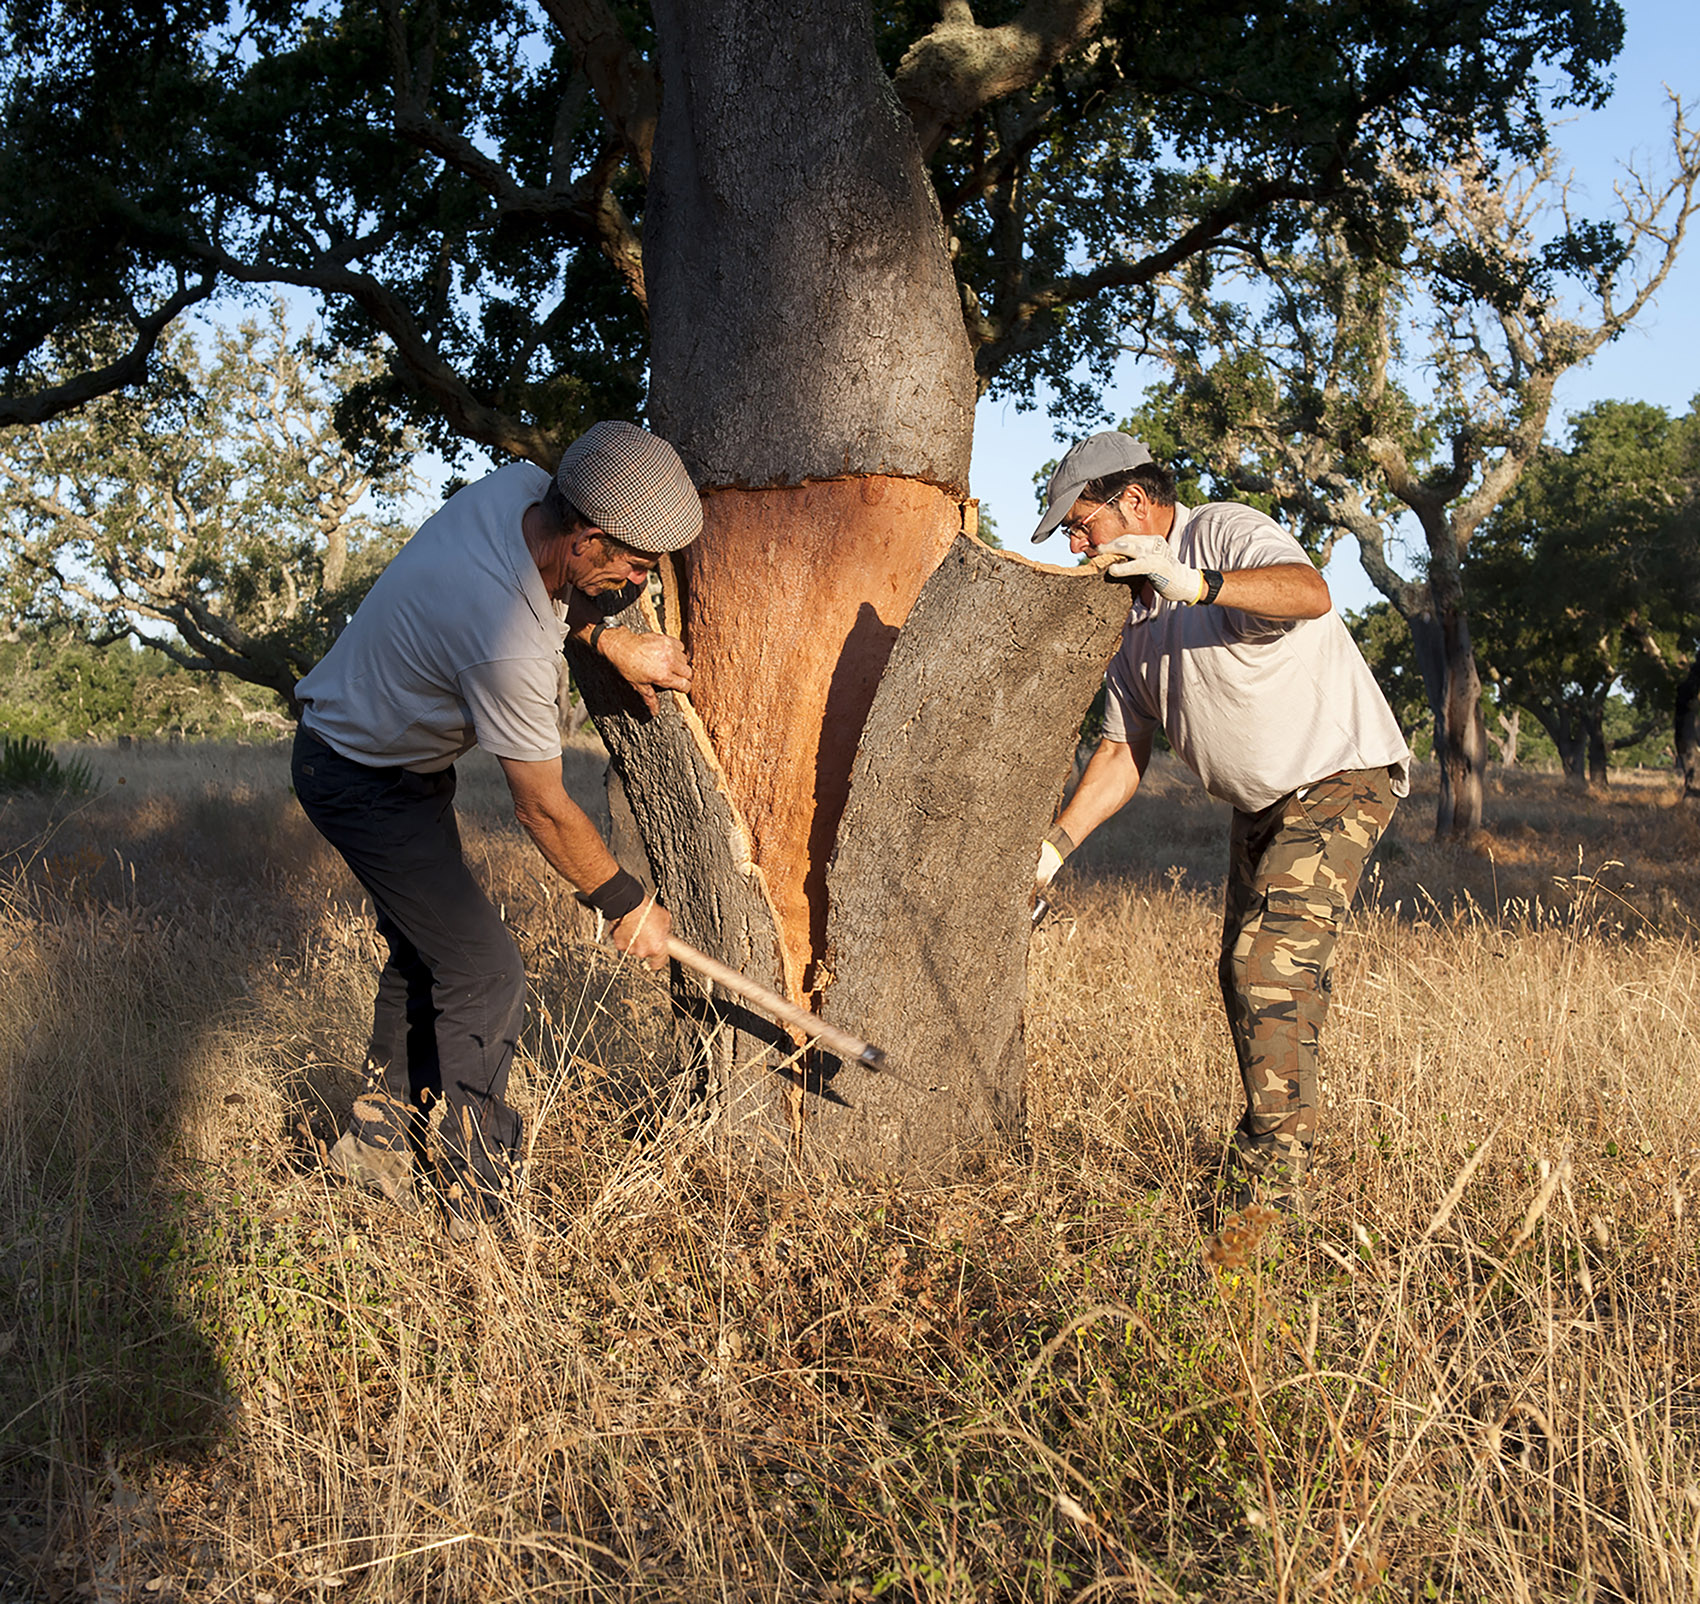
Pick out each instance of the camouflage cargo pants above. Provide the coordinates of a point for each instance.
(1292, 872)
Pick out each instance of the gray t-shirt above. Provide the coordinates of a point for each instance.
(457, 644)
(1256, 707)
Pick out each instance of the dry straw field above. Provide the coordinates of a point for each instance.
(1470, 1375)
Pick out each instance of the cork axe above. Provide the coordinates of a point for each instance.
(772, 1004)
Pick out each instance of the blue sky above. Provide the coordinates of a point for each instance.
(1654, 361)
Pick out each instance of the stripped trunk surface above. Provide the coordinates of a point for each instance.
(931, 890)
(955, 777)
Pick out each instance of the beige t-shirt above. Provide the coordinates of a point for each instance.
(1256, 707)
(457, 644)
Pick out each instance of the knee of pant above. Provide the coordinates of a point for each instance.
(506, 987)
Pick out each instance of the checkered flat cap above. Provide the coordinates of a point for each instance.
(632, 484)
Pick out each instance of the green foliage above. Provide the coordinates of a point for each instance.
(27, 764)
(63, 688)
(1588, 578)
(439, 172)
(218, 501)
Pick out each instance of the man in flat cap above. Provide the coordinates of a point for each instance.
(1234, 648)
(459, 644)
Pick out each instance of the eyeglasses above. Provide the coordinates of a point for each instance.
(1078, 526)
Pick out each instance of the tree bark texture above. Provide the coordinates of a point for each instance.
(804, 319)
(959, 771)
(1461, 750)
(704, 867)
(960, 765)
(1599, 768)
(809, 361)
(1687, 732)
(1463, 757)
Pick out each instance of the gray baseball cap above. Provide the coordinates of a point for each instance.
(632, 484)
(1089, 459)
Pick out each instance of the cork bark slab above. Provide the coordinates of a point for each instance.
(700, 852)
(810, 585)
(959, 769)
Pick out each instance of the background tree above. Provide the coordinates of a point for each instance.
(218, 500)
(1584, 579)
(1352, 392)
(56, 686)
(1385, 641)
(841, 226)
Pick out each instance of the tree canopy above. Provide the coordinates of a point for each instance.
(218, 500)
(469, 178)
(1349, 390)
(1588, 576)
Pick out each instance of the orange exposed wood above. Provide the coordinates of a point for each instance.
(793, 601)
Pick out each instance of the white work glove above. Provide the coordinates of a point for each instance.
(1149, 557)
(1052, 850)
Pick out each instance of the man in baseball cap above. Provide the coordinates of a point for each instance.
(459, 644)
(1092, 459)
(1233, 646)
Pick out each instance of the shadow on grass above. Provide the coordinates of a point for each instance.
(138, 927)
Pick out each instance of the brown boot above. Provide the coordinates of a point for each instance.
(381, 1167)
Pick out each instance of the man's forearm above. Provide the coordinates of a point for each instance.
(1107, 786)
(571, 846)
(1287, 590)
(564, 834)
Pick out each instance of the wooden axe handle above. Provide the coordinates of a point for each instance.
(780, 1008)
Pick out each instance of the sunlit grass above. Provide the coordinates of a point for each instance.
(1471, 1375)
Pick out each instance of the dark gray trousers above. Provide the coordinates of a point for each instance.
(451, 998)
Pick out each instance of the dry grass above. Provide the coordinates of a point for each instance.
(1471, 1376)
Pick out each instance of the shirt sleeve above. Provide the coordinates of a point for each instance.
(1245, 538)
(1125, 719)
(512, 702)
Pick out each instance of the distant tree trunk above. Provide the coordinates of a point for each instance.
(1462, 751)
(810, 362)
(1440, 638)
(1688, 730)
(1569, 734)
(1430, 651)
(1510, 729)
(1599, 769)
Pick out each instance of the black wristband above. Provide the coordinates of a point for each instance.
(615, 898)
(597, 633)
(1212, 586)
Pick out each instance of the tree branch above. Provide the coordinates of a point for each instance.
(627, 87)
(36, 406)
(463, 410)
(947, 75)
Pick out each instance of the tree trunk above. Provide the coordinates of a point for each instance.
(1429, 648)
(1462, 755)
(1462, 751)
(1510, 731)
(1687, 731)
(809, 360)
(1599, 770)
(1440, 639)
(1569, 736)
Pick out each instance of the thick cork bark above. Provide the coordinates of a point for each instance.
(960, 760)
(794, 599)
(960, 767)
